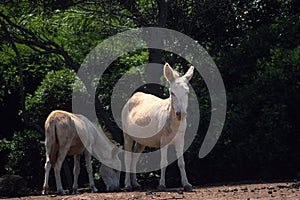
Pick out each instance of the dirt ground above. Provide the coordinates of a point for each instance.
(279, 190)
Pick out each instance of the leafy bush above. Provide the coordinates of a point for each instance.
(26, 156)
(55, 92)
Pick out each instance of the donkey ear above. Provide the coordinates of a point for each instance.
(169, 73)
(188, 75)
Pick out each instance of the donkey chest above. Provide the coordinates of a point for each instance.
(170, 137)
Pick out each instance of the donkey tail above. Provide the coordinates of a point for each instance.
(53, 142)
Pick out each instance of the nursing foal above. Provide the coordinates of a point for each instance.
(150, 121)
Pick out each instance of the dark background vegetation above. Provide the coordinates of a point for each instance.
(255, 44)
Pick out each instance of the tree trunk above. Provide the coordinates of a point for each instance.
(154, 72)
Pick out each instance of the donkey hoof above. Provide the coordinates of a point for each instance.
(61, 192)
(94, 189)
(128, 188)
(188, 187)
(74, 191)
(161, 188)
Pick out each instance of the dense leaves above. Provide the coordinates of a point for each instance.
(25, 151)
(254, 43)
(44, 100)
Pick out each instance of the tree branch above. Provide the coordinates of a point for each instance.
(31, 40)
(24, 114)
(137, 16)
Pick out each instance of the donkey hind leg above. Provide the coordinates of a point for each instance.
(46, 180)
(181, 165)
(138, 148)
(89, 169)
(128, 143)
(57, 168)
(76, 172)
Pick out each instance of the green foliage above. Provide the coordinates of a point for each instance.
(55, 92)
(254, 43)
(25, 156)
(131, 64)
(261, 77)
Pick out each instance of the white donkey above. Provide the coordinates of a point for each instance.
(64, 132)
(150, 121)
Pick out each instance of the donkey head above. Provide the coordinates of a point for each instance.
(111, 178)
(179, 89)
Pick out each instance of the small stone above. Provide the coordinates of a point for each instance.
(180, 192)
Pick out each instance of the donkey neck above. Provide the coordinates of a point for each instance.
(172, 123)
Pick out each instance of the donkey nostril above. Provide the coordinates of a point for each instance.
(178, 115)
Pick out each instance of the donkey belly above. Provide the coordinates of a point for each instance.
(150, 142)
(155, 140)
(76, 147)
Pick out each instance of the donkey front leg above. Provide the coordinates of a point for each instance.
(181, 165)
(89, 168)
(163, 166)
(76, 172)
(128, 143)
(138, 148)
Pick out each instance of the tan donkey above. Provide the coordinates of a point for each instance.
(150, 121)
(63, 131)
